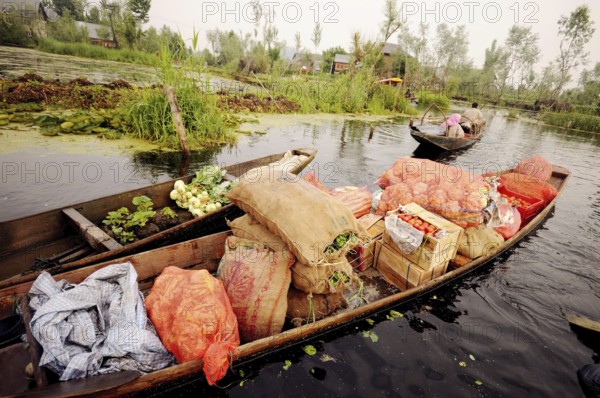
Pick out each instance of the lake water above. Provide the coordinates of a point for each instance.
(498, 332)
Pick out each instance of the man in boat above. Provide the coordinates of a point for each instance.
(452, 126)
(472, 120)
(409, 95)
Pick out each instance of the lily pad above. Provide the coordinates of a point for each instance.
(310, 349)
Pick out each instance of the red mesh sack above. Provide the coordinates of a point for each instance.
(257, 280)
(357, 199)
(535, 166)
(194, 319)
(528, 186)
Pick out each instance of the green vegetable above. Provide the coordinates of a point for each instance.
(123, 223)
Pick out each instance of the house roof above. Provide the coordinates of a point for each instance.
(25, 7)
(391, 48)
(92, 29)
(341, 58)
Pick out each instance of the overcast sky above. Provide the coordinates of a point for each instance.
(485, 20)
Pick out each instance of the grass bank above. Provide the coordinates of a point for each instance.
(571, 120)
(86, 50)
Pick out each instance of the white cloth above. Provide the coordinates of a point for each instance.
(99, 326)
(474, 115)
(456, 132)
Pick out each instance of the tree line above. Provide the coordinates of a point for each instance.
(432, 58)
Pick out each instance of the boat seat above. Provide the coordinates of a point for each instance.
(96, 237)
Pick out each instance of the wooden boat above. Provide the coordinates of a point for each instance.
(205, 253)
(432, 136)
(68, 238)
(427, 136)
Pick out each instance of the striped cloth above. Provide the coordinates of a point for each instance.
(96, 327)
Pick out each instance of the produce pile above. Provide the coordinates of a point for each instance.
(445, 190)
(205, 193)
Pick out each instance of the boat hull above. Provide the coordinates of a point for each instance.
(204, 253)
(441, 142)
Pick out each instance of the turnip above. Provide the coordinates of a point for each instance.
(179, 185)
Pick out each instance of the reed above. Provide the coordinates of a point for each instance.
(572, 120)
(86, 50)
(148, 113)
(427, 98)
(355, 92)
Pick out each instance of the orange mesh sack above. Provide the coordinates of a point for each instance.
(415, 170)
(528, 186)
(311, 178)
(194, 319)
(535, 166)
(357, 199)
(257, 280)
(448, 191)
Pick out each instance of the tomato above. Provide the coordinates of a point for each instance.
(425, 224)
(420, 228)
(411, 221)
(430, 228)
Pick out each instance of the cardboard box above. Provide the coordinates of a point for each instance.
(433, 252)
(401, 272)
(362, 256)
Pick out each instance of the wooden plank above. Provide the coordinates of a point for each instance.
(86, 386)
(14, 379)
(96, 237)
(583, 322)
(35, 350)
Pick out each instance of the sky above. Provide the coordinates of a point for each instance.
(485, 20)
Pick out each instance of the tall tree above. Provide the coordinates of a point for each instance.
(74, 7)
(575, 31)
(516, 60)
(297, 43)
(392, 19)
(317, 35)
(140, 9)
(450, 49)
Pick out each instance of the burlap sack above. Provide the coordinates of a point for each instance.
(287, 166)
(256, 280)
(304, 307)
(479, 241)
(321, 279)
(247, 227)
(309, 279)
(305, 218)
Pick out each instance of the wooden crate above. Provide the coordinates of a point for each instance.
(362, 256)
(433, 252)
(401, 272)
